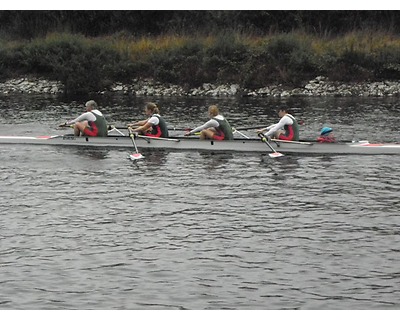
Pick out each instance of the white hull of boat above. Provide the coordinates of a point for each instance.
(193, 143)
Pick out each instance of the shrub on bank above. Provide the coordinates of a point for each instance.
(387, 63)
(283, 59)
(177, 64)
(225, 58)
(92, 64)
(366, 55)
(81, 65)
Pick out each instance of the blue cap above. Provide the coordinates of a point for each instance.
(325, 130)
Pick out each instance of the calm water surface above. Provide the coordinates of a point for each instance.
(88, 229)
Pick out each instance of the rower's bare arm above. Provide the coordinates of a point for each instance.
(143, 128)
(136, 124)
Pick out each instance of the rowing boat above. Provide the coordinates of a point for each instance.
(194, 143)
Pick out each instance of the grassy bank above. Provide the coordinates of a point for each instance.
(92, 64)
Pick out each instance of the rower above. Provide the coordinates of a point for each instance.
(91, 123)
(154, 126)
(286, 129)
(217, 128)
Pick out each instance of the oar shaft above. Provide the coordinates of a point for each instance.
(186, 129)
(110, 127)
(268, 144)
(265, 140)
(294, 142)
(133, 140)
(251, 128)
(242, 134)
(158, 138)
(64, 125)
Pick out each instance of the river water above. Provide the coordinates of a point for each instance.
(88, 229)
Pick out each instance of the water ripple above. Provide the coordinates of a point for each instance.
(191, 230)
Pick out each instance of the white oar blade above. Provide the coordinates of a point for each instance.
(136, 156)
(275, 154)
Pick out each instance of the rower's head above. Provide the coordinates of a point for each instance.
(282, 111)
(213, 111)
(151, 108)
(90, 105)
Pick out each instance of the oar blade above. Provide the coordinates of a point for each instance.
(275, 154)
(136, 156)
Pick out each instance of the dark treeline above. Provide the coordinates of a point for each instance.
(31, 24)
(88, 51)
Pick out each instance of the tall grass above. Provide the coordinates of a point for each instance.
(91, 64)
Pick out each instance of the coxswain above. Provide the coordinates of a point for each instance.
(326, 135)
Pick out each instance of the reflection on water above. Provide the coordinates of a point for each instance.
(280, 166)
(86, 152)
(214, 160)
(90, 229)
(155, 157)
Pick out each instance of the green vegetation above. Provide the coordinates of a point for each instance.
(89, 61)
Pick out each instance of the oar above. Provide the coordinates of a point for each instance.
(137, 155)
(65, 125)
(275, 153)
(186, 129)
(242, 134)
(300, 122)
(294, 142)
(251, 128)
(115, 129)
(158, 138)
(110, 127)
